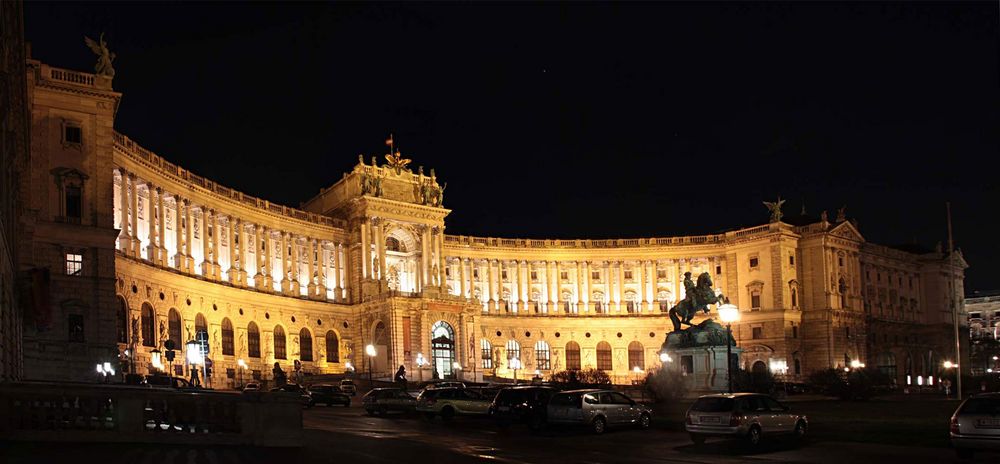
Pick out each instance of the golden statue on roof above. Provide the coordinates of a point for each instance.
(395, 160)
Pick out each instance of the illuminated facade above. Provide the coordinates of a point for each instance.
(143, 251)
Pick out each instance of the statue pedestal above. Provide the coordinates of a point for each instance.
(703, 367)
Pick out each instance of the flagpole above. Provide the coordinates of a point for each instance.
(954, 306)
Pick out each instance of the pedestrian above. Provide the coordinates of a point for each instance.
(279, 375)
(400, 377)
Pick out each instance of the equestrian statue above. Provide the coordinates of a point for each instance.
(697, 298)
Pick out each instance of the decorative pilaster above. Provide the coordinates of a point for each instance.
(585, 295)
(366, 260)
(378, 223)
(216, 248)
(206, 262)
(188, 239)
(179, 259)
(124, 237)
(161, 229)
(337, 290)
(135, 250)
(311, 267)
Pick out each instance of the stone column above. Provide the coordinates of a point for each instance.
(462, 283)
(134, 202)
(553, 268)
(161, 231)
(515, 285)
(677, 281)
(585, 295)
(640, 295)
(491, 286)
(234, 270)
(311, 267)
(206, 262)
(264, 268)
(649, 288)
(366, 261)
(124, 237)
(380, 249)
(621, 286)
(337, 291)
(425, 256)
(216, 248)
(579, 286)
(151, 222)
(522, 283)
(188, 238)
(440, 256)
(296, 258)
(179, 255)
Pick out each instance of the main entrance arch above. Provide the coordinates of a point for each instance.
(443, 349)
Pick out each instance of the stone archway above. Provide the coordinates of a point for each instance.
(443, 349)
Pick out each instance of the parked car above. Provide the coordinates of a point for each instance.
(742, 415)
(382, 400)
(329, 395)
(252, 386)
(303, 393)
(525, 404)
(451, 401)
(166, 381)
(445, 384)
(976, 425)
(347, 386)
(597, 409)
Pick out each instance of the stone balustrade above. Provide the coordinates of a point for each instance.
(106, 413)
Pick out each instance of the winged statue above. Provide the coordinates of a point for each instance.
(775, 209)
(396, 161)
(104, 56)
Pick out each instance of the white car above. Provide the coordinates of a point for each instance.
(742, 415)
(976, 425)
(347, 386)
(452, 401)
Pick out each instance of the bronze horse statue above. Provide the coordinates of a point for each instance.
(698, 300)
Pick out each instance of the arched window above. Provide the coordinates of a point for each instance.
(279, 343)
(486, 354)
(795, 298)
(121, 321)
(253, 340)
(227, 338)
(174, 329)
(572, 356)
(798, 367)
(542, 357)
(758, 367)
(200, 326)
(332, 347)
(148, 326)
(513, 351)
(305, 345)
(604, 356)
(636, 357)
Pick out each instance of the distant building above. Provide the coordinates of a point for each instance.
(14, 140)
(984, 330)
(141, 251)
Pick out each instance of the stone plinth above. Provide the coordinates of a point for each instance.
(703, 367)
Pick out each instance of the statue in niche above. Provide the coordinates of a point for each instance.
(104, 56)
(775, 209)
(434, 273)
(135, 329)
(243, 343)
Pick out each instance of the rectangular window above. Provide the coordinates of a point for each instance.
(447, 271)
(503, 275)
(74, 264)
(72, 134)
(230, 373)
(718, 270)
(757, 333)
(75, 322)
(564, 275)
(791, 260)
(847, 332)
(475, 274)
(754, 262)
(755, 300)
(74, 202)
(661, 273)
(595, 275)
(628, 275)
(687, 364)
(840, 261)
(795, 331)
(534, 275)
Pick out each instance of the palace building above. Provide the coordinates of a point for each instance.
(124, 250)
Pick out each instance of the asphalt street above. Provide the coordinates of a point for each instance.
(347, 435)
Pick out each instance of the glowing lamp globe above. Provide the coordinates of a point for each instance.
(729, 313)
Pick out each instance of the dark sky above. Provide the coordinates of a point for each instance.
(578, 120)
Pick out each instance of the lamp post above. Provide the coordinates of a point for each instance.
(195, 358)
(241, 365)
(370, 350)
(637, 370)
(456, 368)
(421, 362)
(665, 358)
(156, 359)
(948, 365)
(729, 313)
(515, 364)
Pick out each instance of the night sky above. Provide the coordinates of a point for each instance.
(578, 120)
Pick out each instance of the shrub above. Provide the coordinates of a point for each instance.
(665, 386)
(580, 378)
(858, 384)
(755, 382)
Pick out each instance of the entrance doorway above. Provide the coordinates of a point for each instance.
(443, 349)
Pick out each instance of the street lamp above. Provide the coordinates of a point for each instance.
(729, 313)
(456, 367)
(195, 358)
(949, 365)
(370, 350)
(242, 365)
(665, 358)
(515, 364)
(856, 364)
(637, 370)
(156, 359)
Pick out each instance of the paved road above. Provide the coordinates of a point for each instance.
(346, 435)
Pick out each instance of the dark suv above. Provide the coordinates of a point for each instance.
(525, 404)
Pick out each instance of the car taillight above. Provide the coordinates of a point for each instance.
(689, 420)
(954, 425)
(734, 420)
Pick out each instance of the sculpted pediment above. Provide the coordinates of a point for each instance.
(846, 230)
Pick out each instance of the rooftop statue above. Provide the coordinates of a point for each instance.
(396, 161)
(842, 214)
(104, 56)
(775, 209)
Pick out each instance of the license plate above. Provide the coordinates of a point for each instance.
(503, 408)
(988, 423)
(709, 419)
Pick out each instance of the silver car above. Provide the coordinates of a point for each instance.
(976, 425)
(742, 415)
(597, 409)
